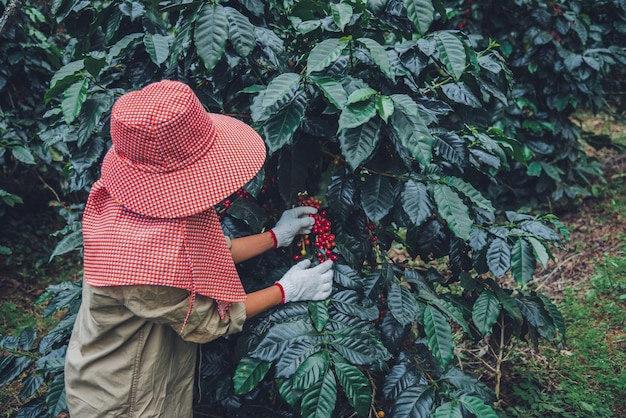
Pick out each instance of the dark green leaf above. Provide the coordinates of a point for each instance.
(377, 196)
(346, 277)
(295, 354)
(378, 55)
(355, 350)
(400, 377)
(11, 367)
(69, 243)
(414, 134)
(460, 93)
(333, 90)
(523, 262)
(402, 304)
(30, 385)
(319, 400)
(23, 155)
(357, 114)
(273, 343)
(448, 410)
(158, 47)
(499, 257)
(248, 374)
(421, 13)
(439, 335)
(416, 202)
(248, 211)
(319, 314)
(55, 397)
(280, 127)
(358, 144)
(452, 209)
(414, 402)
(211, 34)
(485, 312)
(73, 99)
(356, 387)
(341, 196)
(311, 370)
(240, 32)
(27, 338)
(280, 87)
(451, 53)
(477, 407)
(325, 53)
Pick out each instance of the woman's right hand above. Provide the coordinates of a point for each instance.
(304, 283)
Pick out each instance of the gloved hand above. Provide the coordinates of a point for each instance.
(304, 283)
(293, 222)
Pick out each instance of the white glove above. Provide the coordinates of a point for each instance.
(293, 222)
(304, 283)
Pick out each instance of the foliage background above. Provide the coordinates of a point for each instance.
(425, 127)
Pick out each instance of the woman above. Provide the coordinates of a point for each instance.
(160, 275)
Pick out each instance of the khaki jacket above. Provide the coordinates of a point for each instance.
(125, 357)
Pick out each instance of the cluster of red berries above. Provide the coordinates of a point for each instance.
(324, 242)
(369, 228)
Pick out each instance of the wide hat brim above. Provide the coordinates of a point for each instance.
(232, 160)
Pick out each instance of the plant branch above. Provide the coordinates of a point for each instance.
(8, 14)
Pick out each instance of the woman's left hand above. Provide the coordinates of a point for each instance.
(293, 222)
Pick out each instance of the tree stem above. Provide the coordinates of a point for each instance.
(9, 12)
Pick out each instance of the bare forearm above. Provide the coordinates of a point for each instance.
(245, 248)
(261, 300)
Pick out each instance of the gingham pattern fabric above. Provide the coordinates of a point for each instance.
(172, 159)
(122, 247)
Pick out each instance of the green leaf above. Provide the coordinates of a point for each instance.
(402, 304)
(240, 32)
(470, 192)
(415, 402)
(477, 407)
(295, 354)
(23, 155)
(55, 396)
(448, 410)
(555, 314)
(342, 14)
(451, 53)
(421, 13)
(73, 99)
(311, 370)
(485, 312)
(325, 53)
(248, 374)
(356, 350)
(540, 251)
(499, 257)
(523, 261)
(211, 34)
(358, 144)
(416, 202)
(356, 387)
(319, 314)
(280, 87)
(122, 44)
(319, 400)
(68, 70)
(280, 127)
(158, 47)
(509, 305)
(341, 196)
(360, 95)
(460, 93)
(378, 54)
(384, 106)
(413, 133)
(69, 243)
(452, 209)
(272, 345)
(439, 335)
(357, 114)
(333, 90)
(377, 196)
(11, 367)
(249, 211)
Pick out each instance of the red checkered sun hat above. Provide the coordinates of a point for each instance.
(171, 158)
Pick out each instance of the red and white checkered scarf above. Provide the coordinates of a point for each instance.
(126, 248)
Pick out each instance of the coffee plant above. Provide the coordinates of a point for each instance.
(561, 54)
(400, 124)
